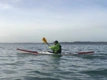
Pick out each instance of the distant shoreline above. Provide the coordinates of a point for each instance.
(83, 42)
(76, 42)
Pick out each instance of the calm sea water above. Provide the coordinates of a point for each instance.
(18, 66)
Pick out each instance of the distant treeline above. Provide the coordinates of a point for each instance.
(79, 42)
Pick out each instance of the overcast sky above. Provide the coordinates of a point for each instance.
(62, 20)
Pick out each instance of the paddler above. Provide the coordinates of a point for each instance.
(56, 48)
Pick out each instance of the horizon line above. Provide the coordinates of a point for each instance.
(63, 42)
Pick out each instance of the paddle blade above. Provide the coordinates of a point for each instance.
(44, 40)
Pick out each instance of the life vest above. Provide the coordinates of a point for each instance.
(59, 51)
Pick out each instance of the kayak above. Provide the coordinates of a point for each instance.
(48, 53)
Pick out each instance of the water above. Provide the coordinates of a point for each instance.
(18, 66)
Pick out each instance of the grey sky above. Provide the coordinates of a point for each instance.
(63, 20)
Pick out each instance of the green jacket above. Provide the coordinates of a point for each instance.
(56, 48)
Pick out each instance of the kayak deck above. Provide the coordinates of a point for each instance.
(49, 53)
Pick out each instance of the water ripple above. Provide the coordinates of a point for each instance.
(16, 66)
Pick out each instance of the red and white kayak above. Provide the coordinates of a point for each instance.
(46, 53)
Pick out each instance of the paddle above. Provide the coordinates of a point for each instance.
(45, 41)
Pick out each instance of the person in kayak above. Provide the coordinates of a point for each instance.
(56, 48)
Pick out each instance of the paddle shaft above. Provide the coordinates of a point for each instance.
(47, 44)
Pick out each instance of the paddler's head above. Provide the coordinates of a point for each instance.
(55, 42)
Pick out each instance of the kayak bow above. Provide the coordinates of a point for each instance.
(27, 51)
